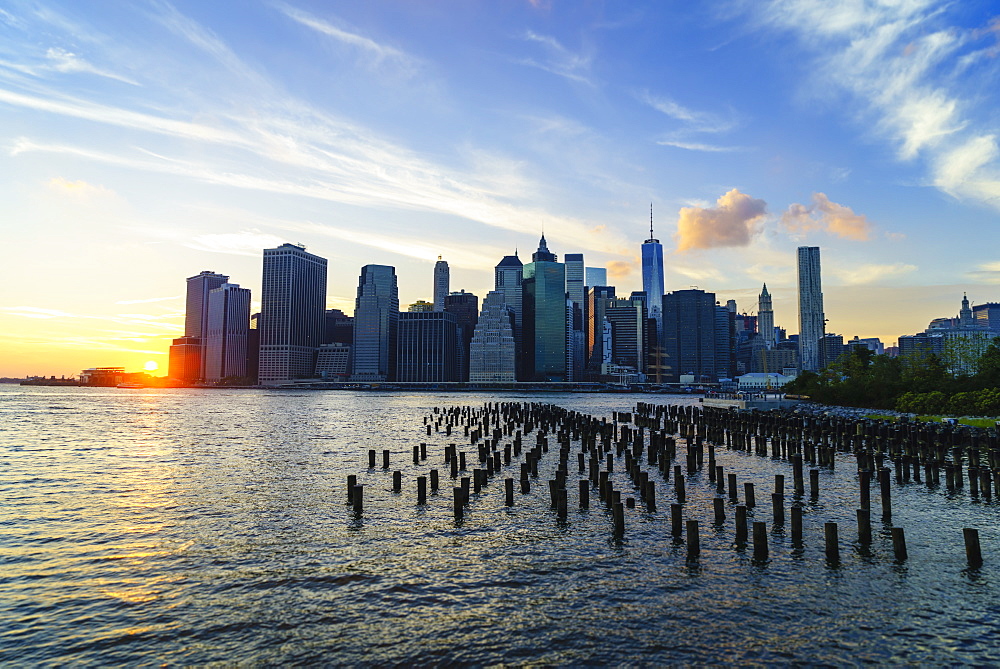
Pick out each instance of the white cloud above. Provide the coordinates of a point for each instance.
(694, 146)
(559, 60)
(900, 58)
(872, 273)
(64, 61)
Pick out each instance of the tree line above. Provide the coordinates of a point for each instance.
(917, 383)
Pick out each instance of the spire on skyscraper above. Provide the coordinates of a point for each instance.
(652, 239)
(543, 254)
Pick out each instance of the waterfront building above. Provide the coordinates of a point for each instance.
(725, 341)
(253, 351)
(427, 347)
(442, 283)
(185, 359)
(576, 340)
(873, 344)
(595, 276)
(188, 360)
(465, 308)
(812, 322)
(228, 333)
(598, 349)
(508, 275)
(628, 321)
(544, 305)
(765, 318)
(423, 306)
(339, 327)
(652, 277)
(831, 347)
(492, 351)
(689, 333)
(293, 309)
(333, 361)
(376, 322)
(958, 342)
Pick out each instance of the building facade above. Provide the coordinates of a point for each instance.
(442, 283)
(652, 277)
(293, 311)
(508, 276)
(812, 321)
(187, 362)
(765, 318)
(492, 351)
(689, 331)
(376, 324)
(427, 347)
(544, 304)
(228, 333)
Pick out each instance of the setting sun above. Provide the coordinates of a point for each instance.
(151, 366)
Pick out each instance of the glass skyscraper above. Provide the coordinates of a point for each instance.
(427, 347)
(544, 331)
(376, 321)
(812, 324)
(292, 313)
(442, 282)
(652, 277)
(228, 332)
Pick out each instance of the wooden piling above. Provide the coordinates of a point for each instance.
(385, 459)
(719, 506)
(864, 526)
(796, 526)
(619, 517)
(352, 480)
(760, 552)
(832, 543)
(459, 503)
(693, 540)
(884, 484)
(421, 490)
(676, 519)
(814, 483)
(973, 552)
(741, 525)
(733, 494)
(397, 481)
(371, 458)
(358, 498)
(898, 544)
(778, 509)
(584, 494)
(748, 493)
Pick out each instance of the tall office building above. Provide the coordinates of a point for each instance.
(765, 318)
(812, 323)
(228, 332)
(376, 323)
(725, 342)
(492, 357)
(689, 334)
(595, 276)
(338, 328)
(292, 313)
(427, 347)
(576, 354)
(508, 276)
(987, 314)
(465, 307)
(652, 277)
(187, 353)
(442, 283)
(544, 330)
(628, 332)
(598, 354)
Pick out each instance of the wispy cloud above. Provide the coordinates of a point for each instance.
(65, 61)
(151, 299)
(695, 146)
(693, 120)
(557, 59)
(377, 52)
(898, 58)
(244, 243)
(872, 273)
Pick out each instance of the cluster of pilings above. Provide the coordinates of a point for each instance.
(645, 443)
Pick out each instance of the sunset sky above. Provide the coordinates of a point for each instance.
(144, 142)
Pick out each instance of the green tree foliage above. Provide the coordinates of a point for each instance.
(918, 383)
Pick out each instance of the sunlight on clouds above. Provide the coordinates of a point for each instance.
(78, 189)
(734, 221)
(827, 216)
(244, 243)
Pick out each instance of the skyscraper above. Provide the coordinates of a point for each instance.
(689, 334)
(628, 332)
(598, 354)
(187, 353)
(376, 322)
(595, 276)
(508, 276)
(652, 277)
(465, 307)
(576, 340)
(492, 355)
(544, 330)
(812, 325)
(292, 313)
(228, 332)
(427, 344)
(765, 318)
(442, 282)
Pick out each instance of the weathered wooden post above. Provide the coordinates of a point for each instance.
(832, 543)
(358, 498)
(508, 488)
(760, 552)
(973, 553)
(796, 526)
(741, 525)
(584, 494)
(778, 508)
(693, 540)
(459, 503)
(371, 458)
(864, 526)
(885, 483)
(899, 544)
(397, 481)
(385, 459)
(748, 493)
(352, 480)
(421, 490)
(719, 505)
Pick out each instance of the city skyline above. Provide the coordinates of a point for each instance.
(155, 141)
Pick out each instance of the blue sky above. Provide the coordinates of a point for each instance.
(143, 142)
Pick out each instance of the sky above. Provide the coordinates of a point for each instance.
(144, 142)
